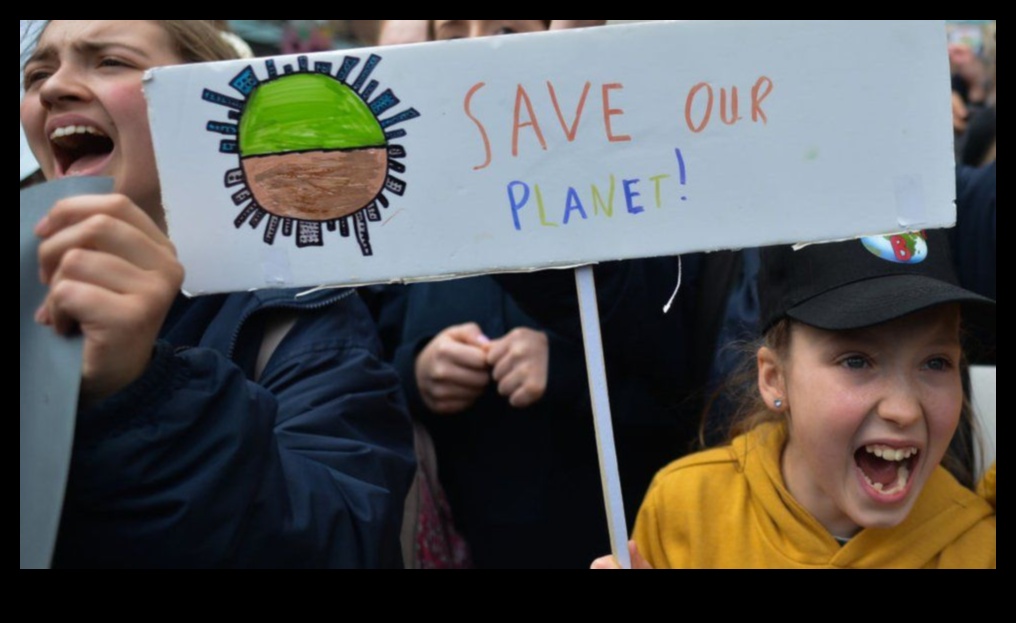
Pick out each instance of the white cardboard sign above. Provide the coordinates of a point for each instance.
(551, 150)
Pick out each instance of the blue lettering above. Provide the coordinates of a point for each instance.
(573, 204)
(630, 196)
(516, 203)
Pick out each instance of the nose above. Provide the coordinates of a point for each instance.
(901, 403)
(63, 85)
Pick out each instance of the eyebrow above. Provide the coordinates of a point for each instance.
(85, 47)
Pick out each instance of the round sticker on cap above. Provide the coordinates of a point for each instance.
(902, 248)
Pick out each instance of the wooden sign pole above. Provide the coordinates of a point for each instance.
(590, 313)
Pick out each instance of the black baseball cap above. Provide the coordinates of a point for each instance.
(861, 283)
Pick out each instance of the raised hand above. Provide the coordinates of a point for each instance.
(520, 362)
(609, 563)
(452, 371)
(112, 275)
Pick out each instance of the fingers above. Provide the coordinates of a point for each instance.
(112, 275)
(610, 563)
(83, 272)
(74, 303)
(118, 335)
(443, 373)
(106, 235)
(463, 346)
(638, 562)
(523, 388)
(452, 371)
(450, 399)
(607, 563)
(445, 398)
(111, 225)
(520, 344)
(76, 209)
(520, 363)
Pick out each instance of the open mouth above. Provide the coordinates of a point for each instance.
(80, 150)
(887, 470)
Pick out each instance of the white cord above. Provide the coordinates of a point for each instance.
(680, 278)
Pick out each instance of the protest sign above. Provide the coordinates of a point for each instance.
(551, 150)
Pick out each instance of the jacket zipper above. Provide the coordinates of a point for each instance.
(276, 305)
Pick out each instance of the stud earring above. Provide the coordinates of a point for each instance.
(779, 403)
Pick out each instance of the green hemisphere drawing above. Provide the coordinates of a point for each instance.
(307, 112)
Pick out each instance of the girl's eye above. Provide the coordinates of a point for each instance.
(113, 62)
(854, 362)
(35, 76)
(939, 364)
(505, 30)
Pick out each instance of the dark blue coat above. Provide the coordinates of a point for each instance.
(975, 249)
(650, 368)
(975, 236)
(195, 465)
(523, 484)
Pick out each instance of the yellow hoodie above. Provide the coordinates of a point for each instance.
(728, 508)
(988, 487)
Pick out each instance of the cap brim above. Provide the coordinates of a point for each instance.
(876, 301)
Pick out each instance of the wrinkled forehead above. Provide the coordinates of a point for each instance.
(66, 34)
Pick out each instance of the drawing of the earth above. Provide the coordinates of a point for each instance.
(311, 148)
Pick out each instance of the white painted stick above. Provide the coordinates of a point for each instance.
(589, 310)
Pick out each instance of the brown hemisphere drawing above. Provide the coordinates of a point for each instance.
(319, 186)
(315, 153)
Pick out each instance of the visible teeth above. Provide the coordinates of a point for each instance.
(891, 454)
(75, 129)
(902, 478)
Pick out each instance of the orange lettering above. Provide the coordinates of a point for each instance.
(757, 97)
(734, 118)
(691, 103)
(520, 97)
(479, 126)
(572, 132)
(609, 112)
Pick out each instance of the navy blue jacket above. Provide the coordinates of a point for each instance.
(975, 250)
(974, 244)
(523, 484)
(196, 465)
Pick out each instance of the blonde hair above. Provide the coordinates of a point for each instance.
(197, 40)
(741, 393)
